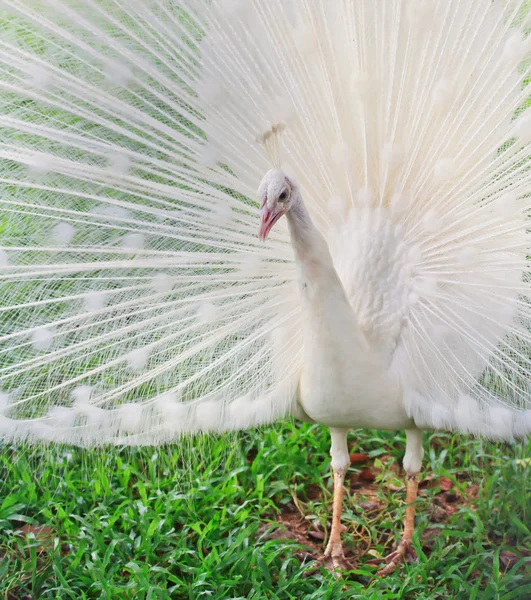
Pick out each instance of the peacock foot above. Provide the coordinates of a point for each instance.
(404, 552)
(334, 559)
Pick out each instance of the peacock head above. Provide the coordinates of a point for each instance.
(277, 193)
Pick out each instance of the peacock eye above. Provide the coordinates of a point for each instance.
(283, 196)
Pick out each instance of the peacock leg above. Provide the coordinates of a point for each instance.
(334, 557)
(412, 464)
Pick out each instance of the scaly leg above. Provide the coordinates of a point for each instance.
(412, 465)
(334, 558)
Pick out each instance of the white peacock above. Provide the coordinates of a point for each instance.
(137, 303)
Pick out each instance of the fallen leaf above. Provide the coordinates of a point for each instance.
(472, 491)
(304, 557)
(367, 475)
(316, 534)
(356, 457)
(427, 481)
(395, 488)
(508, 558)
(369, 506)
(41, 533)
(429, 536)
(437, 514)
(445, 484)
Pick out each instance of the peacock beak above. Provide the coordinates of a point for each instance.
(267, 219)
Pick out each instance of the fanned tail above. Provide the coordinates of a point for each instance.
(137, 302)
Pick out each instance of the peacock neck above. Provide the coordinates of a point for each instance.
(318, 279)
(309, 245)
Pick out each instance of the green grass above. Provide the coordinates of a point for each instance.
(139, 524)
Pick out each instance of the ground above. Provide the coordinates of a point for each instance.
(245, 516)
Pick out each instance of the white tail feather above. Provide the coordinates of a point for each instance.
(138, 305)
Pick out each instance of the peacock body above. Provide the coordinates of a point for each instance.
(137, 302)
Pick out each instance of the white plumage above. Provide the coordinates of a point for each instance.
(137, 302)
